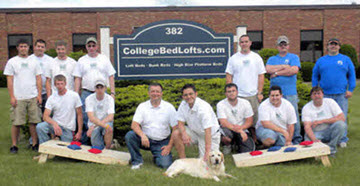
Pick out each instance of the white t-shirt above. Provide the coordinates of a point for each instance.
(64, 108)
(64, 67)
(245, 69)
(234, 114)
(327, 110)
(198, 118)
(24, 72)
(90, 69)
(155, 121)
(281, 116)
(100, 108)
(44, 62)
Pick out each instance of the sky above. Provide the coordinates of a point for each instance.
(160, 3)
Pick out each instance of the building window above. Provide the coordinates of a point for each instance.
(13, 39)
(257, 40)
(311, 47)
(79, 41)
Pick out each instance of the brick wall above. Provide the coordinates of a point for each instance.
(51, 26)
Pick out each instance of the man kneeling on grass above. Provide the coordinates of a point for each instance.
(100, 108)
(276, 120)
(151, 131)
(323, 119)
(64, 105)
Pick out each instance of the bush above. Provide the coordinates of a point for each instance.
(3, 80)
(350, 51)
(306, 69)
(76, 55)
(51, 52)
(211, 90)
(266, 53)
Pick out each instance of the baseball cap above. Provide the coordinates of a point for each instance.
(99, 82)
(283, 39)
(91, 39)
(336, 40)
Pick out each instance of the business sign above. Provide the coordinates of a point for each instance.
(172, 49)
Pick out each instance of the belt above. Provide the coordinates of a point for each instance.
(88, 90)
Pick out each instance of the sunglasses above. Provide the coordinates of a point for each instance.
(89, 46)
(333, 43)
(283, 44)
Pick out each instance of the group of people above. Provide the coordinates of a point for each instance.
(76, 101)
(59, 97)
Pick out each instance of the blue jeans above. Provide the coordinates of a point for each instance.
(293, 99)
(332, 135)
(84, 95)
(43, 130)
(97, 136)
(263, 133)
(342, 101)
(133, 142)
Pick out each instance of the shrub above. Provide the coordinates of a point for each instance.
(211, 90)
(76, 55)
(350, 51)
(3, 81)
(306, 69)
(266, 53)
(51, 52)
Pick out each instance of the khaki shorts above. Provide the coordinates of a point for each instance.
(26, 107)
(200, 141)
(254, 102)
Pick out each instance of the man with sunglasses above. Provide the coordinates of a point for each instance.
(88, 70)
(336, 75)
(100, 108)
(283, 69)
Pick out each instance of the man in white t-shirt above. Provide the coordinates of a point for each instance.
(24, 85)
(90, 68)
(44, 61)
(151, 131)
(276, 120)
(100, 108)
(323, 119)
(65, 107)
(246, 69)
(62, 64)
(235, 116)
(202, 125)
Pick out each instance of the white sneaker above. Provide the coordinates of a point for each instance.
(134, 167)
(343, 145)
(227, 149)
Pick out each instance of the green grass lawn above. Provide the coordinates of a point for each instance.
(20, 169)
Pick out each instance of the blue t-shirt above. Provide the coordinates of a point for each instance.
(336, 74)
(286, 83)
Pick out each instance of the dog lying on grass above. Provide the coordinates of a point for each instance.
(197, 167)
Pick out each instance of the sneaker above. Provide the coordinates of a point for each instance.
(343, 145)
(35, 148)
(13, 149)
(134, 167)
(227, 149)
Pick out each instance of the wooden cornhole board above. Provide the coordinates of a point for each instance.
(59, 148)
(318, 149)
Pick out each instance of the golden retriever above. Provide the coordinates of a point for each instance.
(197, 167)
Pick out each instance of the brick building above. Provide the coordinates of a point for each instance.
(308, 27)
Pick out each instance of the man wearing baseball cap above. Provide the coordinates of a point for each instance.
(88, 70)
(100, 108)
(283, 69)
(335, 73)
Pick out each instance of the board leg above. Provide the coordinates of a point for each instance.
(325, 160)
(43, 158)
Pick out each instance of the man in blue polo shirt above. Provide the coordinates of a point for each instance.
(336, 75)
(283, 69)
